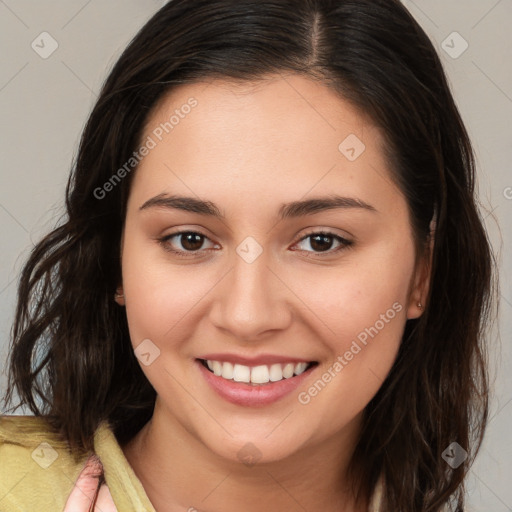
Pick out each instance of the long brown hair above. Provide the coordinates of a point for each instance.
(71, 358)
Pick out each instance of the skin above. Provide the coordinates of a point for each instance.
(250, 148)
(87, 489)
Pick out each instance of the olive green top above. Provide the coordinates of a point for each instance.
(38, 471)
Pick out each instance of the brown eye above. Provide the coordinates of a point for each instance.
(185, 243)
(321, 242)
(191, 241)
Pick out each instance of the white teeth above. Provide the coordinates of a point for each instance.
(227, 371)
(300, 368)
(241, 373)
(276, 373)
(288, 370)
(257, 374)
(217, 368)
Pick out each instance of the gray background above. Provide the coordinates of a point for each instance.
(45, 102)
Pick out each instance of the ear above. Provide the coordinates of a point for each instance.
(421, 280)
(119, 296)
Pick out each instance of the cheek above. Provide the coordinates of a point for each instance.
(352, 297)
(160, 297)
(362, 354)
(364, 306)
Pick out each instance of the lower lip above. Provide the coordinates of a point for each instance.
(241, 393)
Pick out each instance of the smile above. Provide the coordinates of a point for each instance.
(256, 384)
(256, 375)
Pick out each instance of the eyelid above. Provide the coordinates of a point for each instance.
(185, 254)
(324, 231)
(345, 242)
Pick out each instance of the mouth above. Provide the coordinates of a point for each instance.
(260, 375)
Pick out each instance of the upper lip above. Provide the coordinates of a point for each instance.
(254, 361)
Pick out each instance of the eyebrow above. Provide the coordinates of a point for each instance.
(286, 211)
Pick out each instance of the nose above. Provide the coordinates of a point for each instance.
(251, 301)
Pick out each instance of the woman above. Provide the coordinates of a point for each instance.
(273, 282)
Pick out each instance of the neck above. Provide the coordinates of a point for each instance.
(179, 472)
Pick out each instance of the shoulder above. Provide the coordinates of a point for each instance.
(37, 468)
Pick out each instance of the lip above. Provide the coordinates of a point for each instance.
(253, 361)
(240, 393)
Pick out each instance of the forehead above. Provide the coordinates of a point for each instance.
(269, 106)
(286, 134)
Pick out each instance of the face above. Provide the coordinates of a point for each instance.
(295, 247)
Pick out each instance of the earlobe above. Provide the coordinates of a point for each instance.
(420, 291)
(415, 310)
(119, 296)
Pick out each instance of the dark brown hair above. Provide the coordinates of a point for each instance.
(71, 358)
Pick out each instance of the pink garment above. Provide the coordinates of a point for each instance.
(90, 493)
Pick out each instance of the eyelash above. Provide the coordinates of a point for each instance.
(344, 243)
